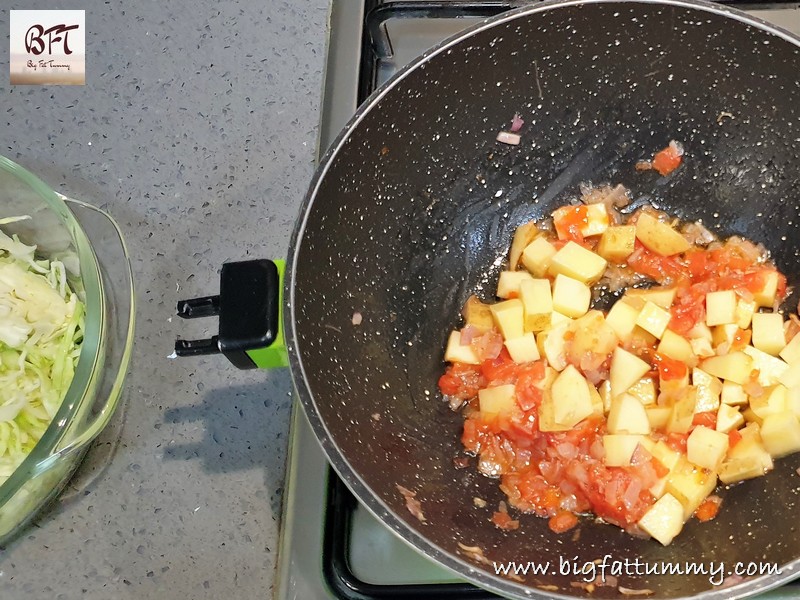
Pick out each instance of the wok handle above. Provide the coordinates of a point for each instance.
(250, 310)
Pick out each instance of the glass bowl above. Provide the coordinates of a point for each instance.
(91, 247)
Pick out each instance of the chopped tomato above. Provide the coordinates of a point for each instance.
(528, 491)
(474, 434)
(677, 441)
(500, 370)
(528, 393)
(734, 437)
(522, 432)
(741, 339)
(706, 419)
(756, 282)
(563, 521)
(708, 509)
(668, 159)
(461, 381)
(669, 368)
(614, 496)
(568, 221)
(660, 469)
(655, 266)
(504, 521)
(698, 262)
(728, 260)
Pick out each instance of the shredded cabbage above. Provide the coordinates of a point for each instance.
(41, 329)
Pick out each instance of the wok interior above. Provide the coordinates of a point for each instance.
(417, 209)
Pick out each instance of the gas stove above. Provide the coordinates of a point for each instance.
(331, 547)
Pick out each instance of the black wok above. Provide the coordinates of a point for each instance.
(413, 208)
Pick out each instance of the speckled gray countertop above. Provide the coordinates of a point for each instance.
(196, 131)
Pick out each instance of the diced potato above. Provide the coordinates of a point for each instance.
(644, 390)
(622, 319)
(598, 408)
(658, 416)
(751, 417)
(745, 309)
(768, 333)
(547, 421)
(733, 394)
(772, 401)
(735, 367)
(701, 331)
(626, 370)
(791, 352)
(747, 459)
(706, 447)
(553, 345)
(619, 449)
(627, 415)
(571, 400)
(664, 520)
(653, 319)
(660, 296)
(537, 302)
(709, 389)
(690, 485)
(637, 302)
(728, 418)
(770, 368)
(641, 338)
(592, 334)
(556, 318)
(605, 394)
(537, 256)
(509, 282)
(570, 296)
(669, 459)
(724, 334)
(617, 243)
(597, 220)
(766, 295)
(477, 314)
(523, 236)
(523, 349)
(665, 455)
(680, 419)
(793, 400)
(497, 400)
(780, 434)
(702, 347)
(575, 261)
(455, 352)
(700, 339)
(677, 347)
(673, 388)
(509, 316)
(720, 308)
(660, 237)
(790, 377)
(734, 470)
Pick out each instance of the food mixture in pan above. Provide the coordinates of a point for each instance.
(633, 414)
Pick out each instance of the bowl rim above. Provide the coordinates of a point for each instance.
(87, 372)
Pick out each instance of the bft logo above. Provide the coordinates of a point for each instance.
(48, 47)
(35, 42)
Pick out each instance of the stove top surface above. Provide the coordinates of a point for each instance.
(331, 547)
